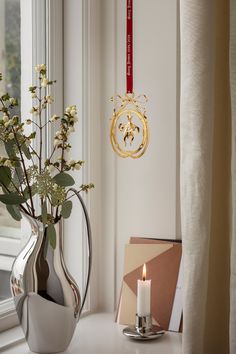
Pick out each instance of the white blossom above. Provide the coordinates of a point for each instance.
(34, 110)
(54, 118)
(56, 142)
(77, 166)
(73, 112)
(12, 100)
(71, 162)
(58, 135)
(11, 136)
(44, 82)
(8, 163)
(71, 129)
(5, 118)
(8, 123)
(40, 67)
(49, 99)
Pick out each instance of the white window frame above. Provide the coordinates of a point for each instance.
(47, 22)
(44, 17)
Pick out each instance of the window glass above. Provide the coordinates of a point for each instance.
(10, 48)
(10, 67)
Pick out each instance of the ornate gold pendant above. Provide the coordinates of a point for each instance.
(129, 132)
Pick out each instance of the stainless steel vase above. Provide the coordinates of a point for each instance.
(47, 299)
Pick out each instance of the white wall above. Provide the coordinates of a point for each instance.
(82, 87)
(140, 196)
(135, 197)
(73, 94)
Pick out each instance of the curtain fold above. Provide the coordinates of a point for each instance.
(207, 184)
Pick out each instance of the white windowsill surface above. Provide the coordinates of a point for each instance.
(11, 337)
(97, 333)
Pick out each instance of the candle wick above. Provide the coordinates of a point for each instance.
(144, 278)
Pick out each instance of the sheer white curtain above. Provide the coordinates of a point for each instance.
(208, 174)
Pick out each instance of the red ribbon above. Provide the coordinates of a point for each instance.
(129, 47)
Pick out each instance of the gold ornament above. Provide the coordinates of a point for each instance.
(129, 132)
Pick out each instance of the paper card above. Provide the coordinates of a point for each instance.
(162, 258)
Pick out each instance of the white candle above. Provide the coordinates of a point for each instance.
(144, 295)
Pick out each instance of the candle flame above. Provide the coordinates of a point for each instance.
(144, 272)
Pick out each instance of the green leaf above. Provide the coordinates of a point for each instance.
(5, 97)
(44, 213)
(27, 193)
(64, 179)
(10, 148)
(5, 176)
(18, 176)
(51, 234)
(14, 212)
(12, 199)
(26, 151)
(66, 209)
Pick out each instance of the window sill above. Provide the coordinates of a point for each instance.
(11, 337)
(97, 333)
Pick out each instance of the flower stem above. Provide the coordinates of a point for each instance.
(40, 127)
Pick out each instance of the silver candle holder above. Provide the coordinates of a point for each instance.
(143, 329)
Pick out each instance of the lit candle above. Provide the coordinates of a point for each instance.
(144, 295)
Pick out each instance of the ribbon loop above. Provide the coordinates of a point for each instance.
(129, 132)
(129, 47)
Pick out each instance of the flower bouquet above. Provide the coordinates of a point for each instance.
(31, 183)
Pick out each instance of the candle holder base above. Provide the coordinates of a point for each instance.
(143, 329)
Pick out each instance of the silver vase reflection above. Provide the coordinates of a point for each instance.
(47, 298)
